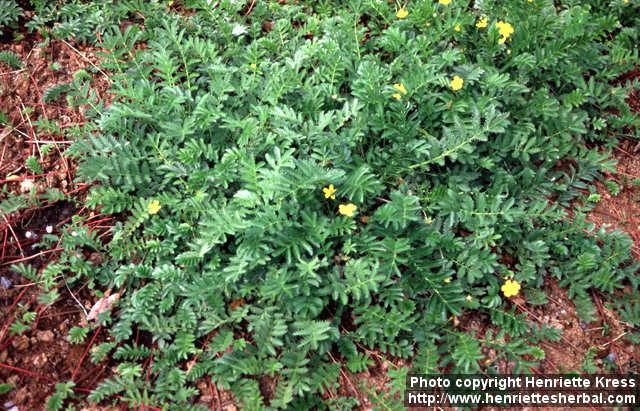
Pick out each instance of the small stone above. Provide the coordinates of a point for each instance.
(49, 229)
(26, 185)
(21, 395)
(21, 343)
(612, 356)
(268, 26)
(238, 30)
(40, 360)
(45, 336)
(5, 283)
(95, 258)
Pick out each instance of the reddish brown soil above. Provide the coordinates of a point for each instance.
(34, 361)
(602, 336)
(21, 100)
(622, 211)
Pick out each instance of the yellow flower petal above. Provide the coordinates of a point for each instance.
(444, 2)
(482, 22)
(402, 13)
(457, 27)
(397, 96)
(153, 207)
(400, 88)
(329, 192)
(510, 288)
(456, 83)
(505, 29)
(347, 209)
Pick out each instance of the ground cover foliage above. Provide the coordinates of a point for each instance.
(300, 183)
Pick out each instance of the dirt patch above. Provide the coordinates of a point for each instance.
(582, 345)
(34, 360)
(38, 130)
(621, 210)
(214, 397)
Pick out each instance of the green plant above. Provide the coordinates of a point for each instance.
(23, 322)
(82, 20)
(78, 334)
(613, 187)
(33, 165)
(54, 92)
(344, 179)
(55, 402)
(10, 11)
(10, 58)
(4, 119)
(5, 388)
(588, 364)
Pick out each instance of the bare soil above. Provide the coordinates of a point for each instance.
(42, 356)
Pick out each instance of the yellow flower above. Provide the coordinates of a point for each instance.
(400, 87)
(456, 83)
(329, 192)
(457, 27)
(447, 280)
(444, 2)
(347, 209)
(510, 288)
(482, 22)
(505, 30)
(402, 13)
(153, 207)
(253, 66)
(397, 96)
(469, 298)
